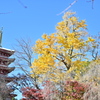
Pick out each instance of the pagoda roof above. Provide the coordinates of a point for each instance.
(9, 79)
(7, 59)
(9, 69)
(8, 51)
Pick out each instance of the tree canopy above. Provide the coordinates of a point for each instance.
(64, 63)
(65, 51)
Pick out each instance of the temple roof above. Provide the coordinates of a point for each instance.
(9, 79)
(8, 51)
(9, 69)
(7, 59)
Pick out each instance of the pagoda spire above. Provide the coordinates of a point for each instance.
(1, 36)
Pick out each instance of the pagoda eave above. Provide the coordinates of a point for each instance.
(10, 60)
(8, 51)
(9, 79)
(8, 69)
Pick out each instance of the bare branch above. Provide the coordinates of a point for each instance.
(68, 7)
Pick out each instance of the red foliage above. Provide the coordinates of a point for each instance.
(71, 89)
(31, 94)
(75, 90)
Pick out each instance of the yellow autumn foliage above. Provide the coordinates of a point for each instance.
(63, 52)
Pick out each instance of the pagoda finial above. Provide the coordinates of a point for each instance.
(1, 36)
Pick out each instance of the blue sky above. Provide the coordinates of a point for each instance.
(40, 17)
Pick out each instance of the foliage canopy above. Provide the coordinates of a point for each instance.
(65, 51)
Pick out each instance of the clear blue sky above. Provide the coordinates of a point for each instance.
(40, 17)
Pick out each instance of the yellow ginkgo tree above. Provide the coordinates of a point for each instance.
(63, 52)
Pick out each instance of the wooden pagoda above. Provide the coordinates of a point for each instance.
(5, 60)
(5, 70)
